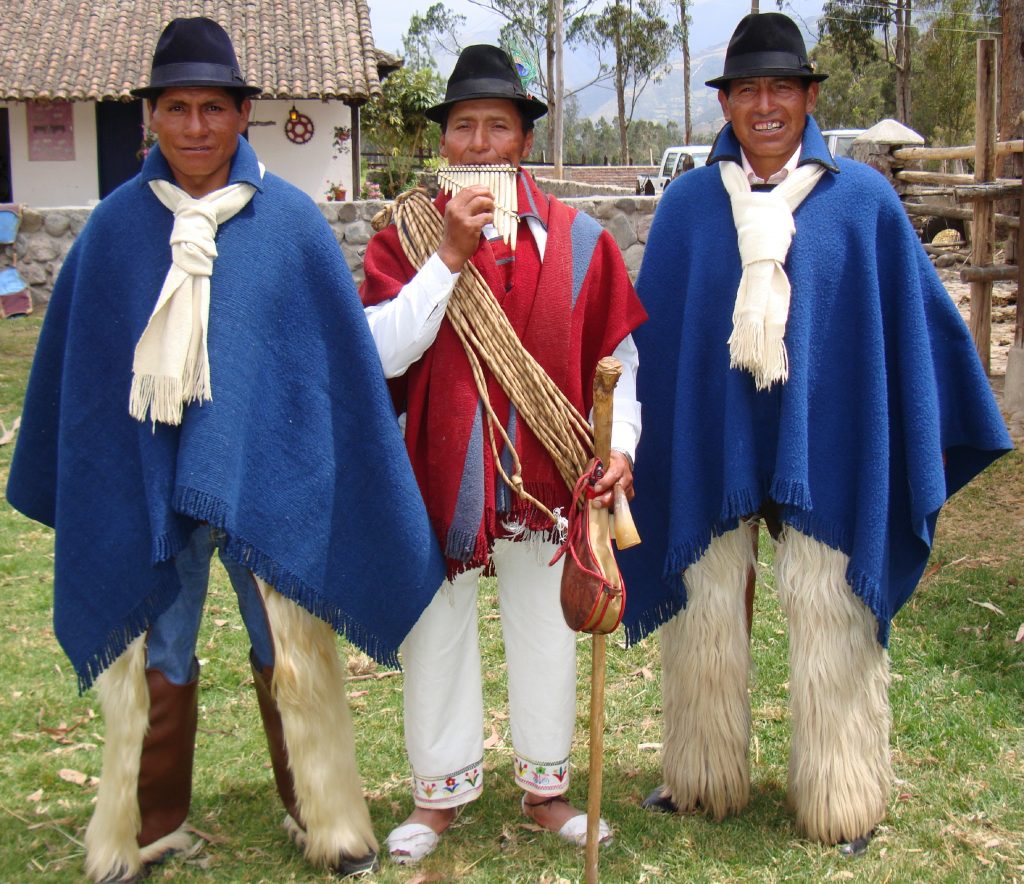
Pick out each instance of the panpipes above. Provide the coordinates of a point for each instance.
(500, 181)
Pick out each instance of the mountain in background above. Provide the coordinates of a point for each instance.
(663, 101)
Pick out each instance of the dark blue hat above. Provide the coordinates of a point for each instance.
(766, 44)
(484, 71)
(195, 52)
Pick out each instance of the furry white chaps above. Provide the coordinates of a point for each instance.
(839, 771)
(309, 689)
(111, 838)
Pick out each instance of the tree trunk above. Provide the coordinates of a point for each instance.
(552, 96)
(620, 95)
(1011, 102)
(684, 28)
(903, 61)
(557, 90)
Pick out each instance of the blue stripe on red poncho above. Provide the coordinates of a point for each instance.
(298, 457)
(884, 382)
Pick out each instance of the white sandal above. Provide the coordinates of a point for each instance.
(574, 830)
(410, 842)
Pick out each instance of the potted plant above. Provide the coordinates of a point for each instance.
(335, 192)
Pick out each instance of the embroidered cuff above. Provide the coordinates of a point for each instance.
(542, 778)
(448, 791)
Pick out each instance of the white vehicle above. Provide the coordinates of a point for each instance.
(840, 141)
(674, 162)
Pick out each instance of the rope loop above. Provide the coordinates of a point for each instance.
(490, 341)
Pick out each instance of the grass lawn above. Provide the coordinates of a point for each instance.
(956, 810)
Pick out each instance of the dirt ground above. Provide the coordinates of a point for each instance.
(1004, 317)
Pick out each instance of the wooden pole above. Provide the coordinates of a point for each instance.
(355, 144)
(965, 152)
(558, 90)
(597, 671)
(1018, 335)
(984, 210)
(608, 371)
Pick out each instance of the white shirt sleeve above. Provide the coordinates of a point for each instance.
(405, 326)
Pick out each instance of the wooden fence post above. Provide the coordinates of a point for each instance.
(984, 210)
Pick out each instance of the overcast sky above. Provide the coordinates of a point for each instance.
(713, 20)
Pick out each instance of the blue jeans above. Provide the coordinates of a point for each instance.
(171, 646)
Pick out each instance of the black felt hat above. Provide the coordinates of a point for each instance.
(484, 71)
(766, 44)
(194, 52)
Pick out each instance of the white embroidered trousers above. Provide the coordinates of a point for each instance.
(444, 712)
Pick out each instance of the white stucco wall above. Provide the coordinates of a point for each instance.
(75, 182)
(47, 184)
(311, 165)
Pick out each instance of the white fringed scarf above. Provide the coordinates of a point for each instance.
(172, 366)
(764, 228)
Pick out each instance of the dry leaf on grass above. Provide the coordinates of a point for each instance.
(988, 606)
(35, 796)
(73, 776)
(7, 435)
(1020, 634)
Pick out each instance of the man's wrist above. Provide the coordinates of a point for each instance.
(627, 456)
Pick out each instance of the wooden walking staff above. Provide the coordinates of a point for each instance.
(608, 371)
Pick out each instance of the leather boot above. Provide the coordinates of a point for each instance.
(165, 770)
(275, 738)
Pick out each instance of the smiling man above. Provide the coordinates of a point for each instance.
(205, 383)
(566, 293)
(814, 374)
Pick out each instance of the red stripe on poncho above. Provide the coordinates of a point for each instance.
(453, 464)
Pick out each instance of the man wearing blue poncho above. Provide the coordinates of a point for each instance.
(205, 381)
(814, 374)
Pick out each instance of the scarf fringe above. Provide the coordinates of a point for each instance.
(195, 379)
(746, 345)
(159, 396)
(764, 355)
(775, 367)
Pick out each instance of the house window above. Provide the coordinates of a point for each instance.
(51, 131)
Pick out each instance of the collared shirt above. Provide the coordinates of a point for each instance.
(775, 178)
(405, 327)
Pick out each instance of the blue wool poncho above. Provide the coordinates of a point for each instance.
(884, 382)
(298, 457)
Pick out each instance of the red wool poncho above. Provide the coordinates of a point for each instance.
(569, 312)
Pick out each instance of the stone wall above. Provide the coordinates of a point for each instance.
(46, 235)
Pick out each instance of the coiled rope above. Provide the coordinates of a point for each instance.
(489, 340)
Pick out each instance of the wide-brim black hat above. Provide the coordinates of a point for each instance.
(484, 71)
(195, 52)
(766, 44)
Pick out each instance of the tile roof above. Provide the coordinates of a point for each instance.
(100, 49)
